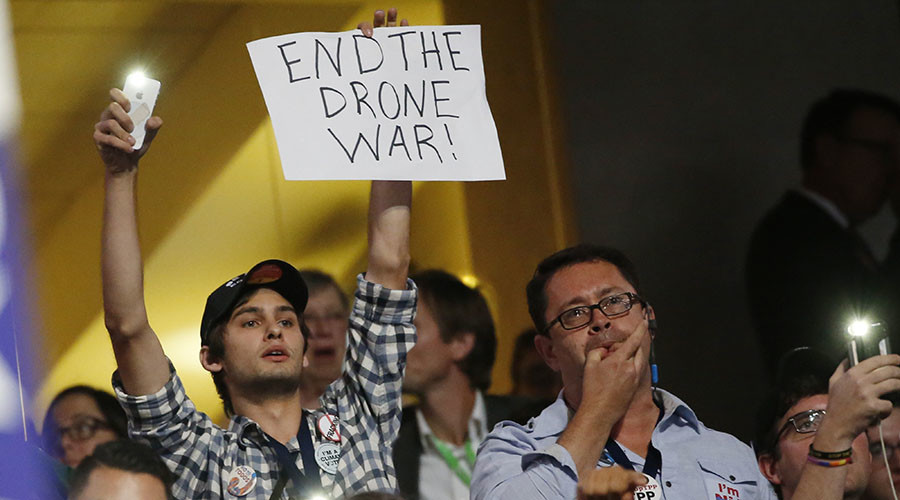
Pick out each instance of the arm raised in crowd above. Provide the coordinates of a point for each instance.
(854, 403)
(142, 364)
(389, 208)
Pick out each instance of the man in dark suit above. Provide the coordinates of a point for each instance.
(808, 272)
(449, 370)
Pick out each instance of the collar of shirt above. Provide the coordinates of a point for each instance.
(248, 430)
(477, 425)
(555, 417)
(826, 205)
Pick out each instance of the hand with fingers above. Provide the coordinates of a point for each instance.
(854, 397)
(112, 135)
(380, 20)
(611, 379)
(610, 483)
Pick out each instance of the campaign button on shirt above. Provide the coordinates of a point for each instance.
(241, 481)
(649, 491)
(722, 490)
(328, 428)
(327, 456)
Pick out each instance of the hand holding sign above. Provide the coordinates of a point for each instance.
(396, 103)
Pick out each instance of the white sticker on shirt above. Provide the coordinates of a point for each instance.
(649, 491)
(718, 489)
(327, 456)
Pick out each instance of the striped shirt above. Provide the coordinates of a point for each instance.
(366, 401)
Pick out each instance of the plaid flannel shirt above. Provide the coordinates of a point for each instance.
(366, 400)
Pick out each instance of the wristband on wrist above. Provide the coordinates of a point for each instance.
(830, 455)
(829, 463)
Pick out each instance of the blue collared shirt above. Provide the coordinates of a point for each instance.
(525, 462)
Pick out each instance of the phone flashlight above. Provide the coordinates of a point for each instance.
(867, 339)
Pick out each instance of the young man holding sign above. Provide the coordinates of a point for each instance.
(253, 342)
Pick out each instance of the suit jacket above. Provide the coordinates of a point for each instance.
(807, 277)
(408, 446)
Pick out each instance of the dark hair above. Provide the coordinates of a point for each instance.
(524, 343)
(831, 114)
(106, 402)
(802, 373)
(123, 455)
(317, 280)
(578, 254)
(460, 309)
(216, 345)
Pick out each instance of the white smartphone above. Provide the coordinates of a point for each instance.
(142, 93)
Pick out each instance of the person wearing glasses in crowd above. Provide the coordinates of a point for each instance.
(880, 480)
(807, 251)
(326, 315)
(597, 331)
(78, 419)
(253, 342)
(810, 439)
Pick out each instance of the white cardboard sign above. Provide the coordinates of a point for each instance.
(407, 104)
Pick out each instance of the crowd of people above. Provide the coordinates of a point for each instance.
(311, 381)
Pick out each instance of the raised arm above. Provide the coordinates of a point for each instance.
(389, 212)
(389, 208)
(854, 403)
(143, 367)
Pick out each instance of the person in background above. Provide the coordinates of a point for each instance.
(78, 419)
(449, 369)
(880, 480)
(810, 439)
(532, 377)
(326, 314)
(807, 251)
(121, 470)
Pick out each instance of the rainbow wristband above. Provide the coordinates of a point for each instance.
(829, 463)
(830, 455)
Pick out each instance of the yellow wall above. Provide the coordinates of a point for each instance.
(213, 200)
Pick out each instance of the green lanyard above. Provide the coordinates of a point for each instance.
(451, 460)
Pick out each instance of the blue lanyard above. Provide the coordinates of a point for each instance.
(305, 482)
(652, 464)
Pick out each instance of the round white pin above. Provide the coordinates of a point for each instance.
(241, 481)
(327, 456)
(328, 428)
(648, 491)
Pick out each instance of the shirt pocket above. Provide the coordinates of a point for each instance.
(727, 480)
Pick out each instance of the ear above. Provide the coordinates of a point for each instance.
(544, 345)
(210, 363)
(650, 316)
(305, 361)
(462, 345)
(769, 468)
(825, 149)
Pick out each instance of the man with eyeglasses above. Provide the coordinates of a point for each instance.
(597, 331)
(807, 251)
(810, 439)
(887, 459)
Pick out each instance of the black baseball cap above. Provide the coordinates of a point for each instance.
(273, 274)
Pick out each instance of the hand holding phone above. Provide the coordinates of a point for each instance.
(141, 93)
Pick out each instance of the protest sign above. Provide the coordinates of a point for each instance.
(407, 104)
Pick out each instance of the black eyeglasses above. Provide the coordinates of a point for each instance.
(82, 429)
(611, 307)
(805, 422)
(886, 149)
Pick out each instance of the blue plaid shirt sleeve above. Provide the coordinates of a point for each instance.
(367, 397)
(172, 426)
